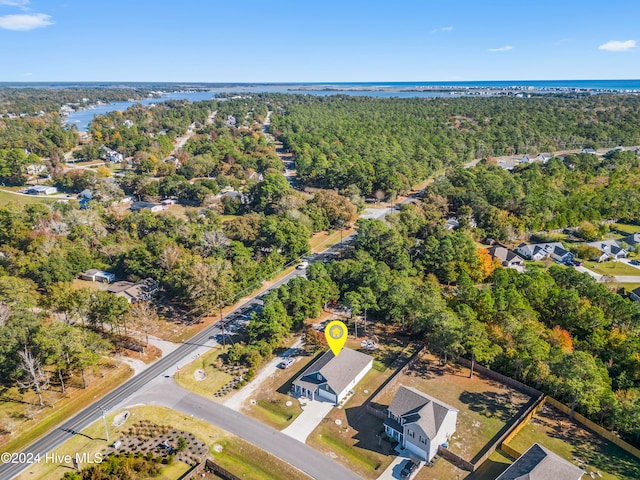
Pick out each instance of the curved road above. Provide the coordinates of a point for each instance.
(224, 417)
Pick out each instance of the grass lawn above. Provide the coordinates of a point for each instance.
(174, 471)
(485, 406)
(323, 240)
(25, 431)
(552, 429)
(612, 268)
(6, 198)
(625, 228)
(272, 397)
(231, 452)
(355, 441)
(214, 380)
(630, 286)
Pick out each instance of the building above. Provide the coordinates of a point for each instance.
(330, 377)
(635, 294)
(95, 275)
(540, 251)
(154, 207)
(113, 156)
(539, 463)
(420, 422)
(544, 157)
(588, 151)
(135, 292)
(41, 190)
(632, 239)
(506, 257)
(609, 249)
(452, 223)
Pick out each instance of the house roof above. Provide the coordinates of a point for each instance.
(418, 407)
(607, 246)
(539, 463)
(632, 239)
(338, 371)
(130, 290)
(95, 271)
(503, 254)
(532, 249)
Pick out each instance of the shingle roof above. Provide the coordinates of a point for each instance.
(503, 254)
(338, 371)
(539, 463)
(417, 407)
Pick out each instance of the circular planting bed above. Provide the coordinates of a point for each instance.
(200, 375)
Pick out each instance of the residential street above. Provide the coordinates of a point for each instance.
(166, 393)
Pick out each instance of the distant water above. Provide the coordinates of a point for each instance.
(82, 118)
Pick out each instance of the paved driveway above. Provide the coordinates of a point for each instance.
(312, 414)
(393, 471)
(166, 393)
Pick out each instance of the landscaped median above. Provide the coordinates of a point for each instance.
(144, 425)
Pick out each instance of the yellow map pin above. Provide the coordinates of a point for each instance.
(336, 334)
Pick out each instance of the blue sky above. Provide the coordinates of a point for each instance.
(332, 40)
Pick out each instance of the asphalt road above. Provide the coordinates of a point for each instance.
(166, 393)
(119, 396)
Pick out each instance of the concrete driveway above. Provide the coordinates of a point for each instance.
(393, 471)
(312, 414)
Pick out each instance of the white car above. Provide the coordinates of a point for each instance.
(302, 265)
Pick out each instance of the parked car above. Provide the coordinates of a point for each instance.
(576, 263)
(408, 469)
(635, 263)
(302, 265)
(286, 363)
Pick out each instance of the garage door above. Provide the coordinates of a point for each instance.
(416, 450)
(328, 396)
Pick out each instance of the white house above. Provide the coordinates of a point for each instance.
(588, 151)
(539, 251)
(544, 157)
(609, 249)
(95, 275)
(420, 422)
(42, 190)
(330, 377)
(539, 463)
(154, 207)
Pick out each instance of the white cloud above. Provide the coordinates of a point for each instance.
(25, 22)
(506, 48)
(618, 46)
(21, 4)
(443, 29)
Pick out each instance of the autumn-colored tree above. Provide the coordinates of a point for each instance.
(559, 337)
(486, 264)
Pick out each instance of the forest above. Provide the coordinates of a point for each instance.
(563, 193)
(393, 144)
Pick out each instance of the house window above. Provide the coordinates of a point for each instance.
(412, 434)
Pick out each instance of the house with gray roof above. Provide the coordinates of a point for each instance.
(632, 239)
(420, 422)
(135, 292)
(635, 294)
(506, 257)
(331, 378)
(539, 463)
(540, 251)
(609, 249)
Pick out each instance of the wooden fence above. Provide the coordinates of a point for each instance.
(603, 432)
(455, 459)
(532, 392)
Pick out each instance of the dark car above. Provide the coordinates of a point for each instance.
(408, 469)
(576, 263)
(635, 263)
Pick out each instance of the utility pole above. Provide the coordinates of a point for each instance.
(224, 340)
(104, 419)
